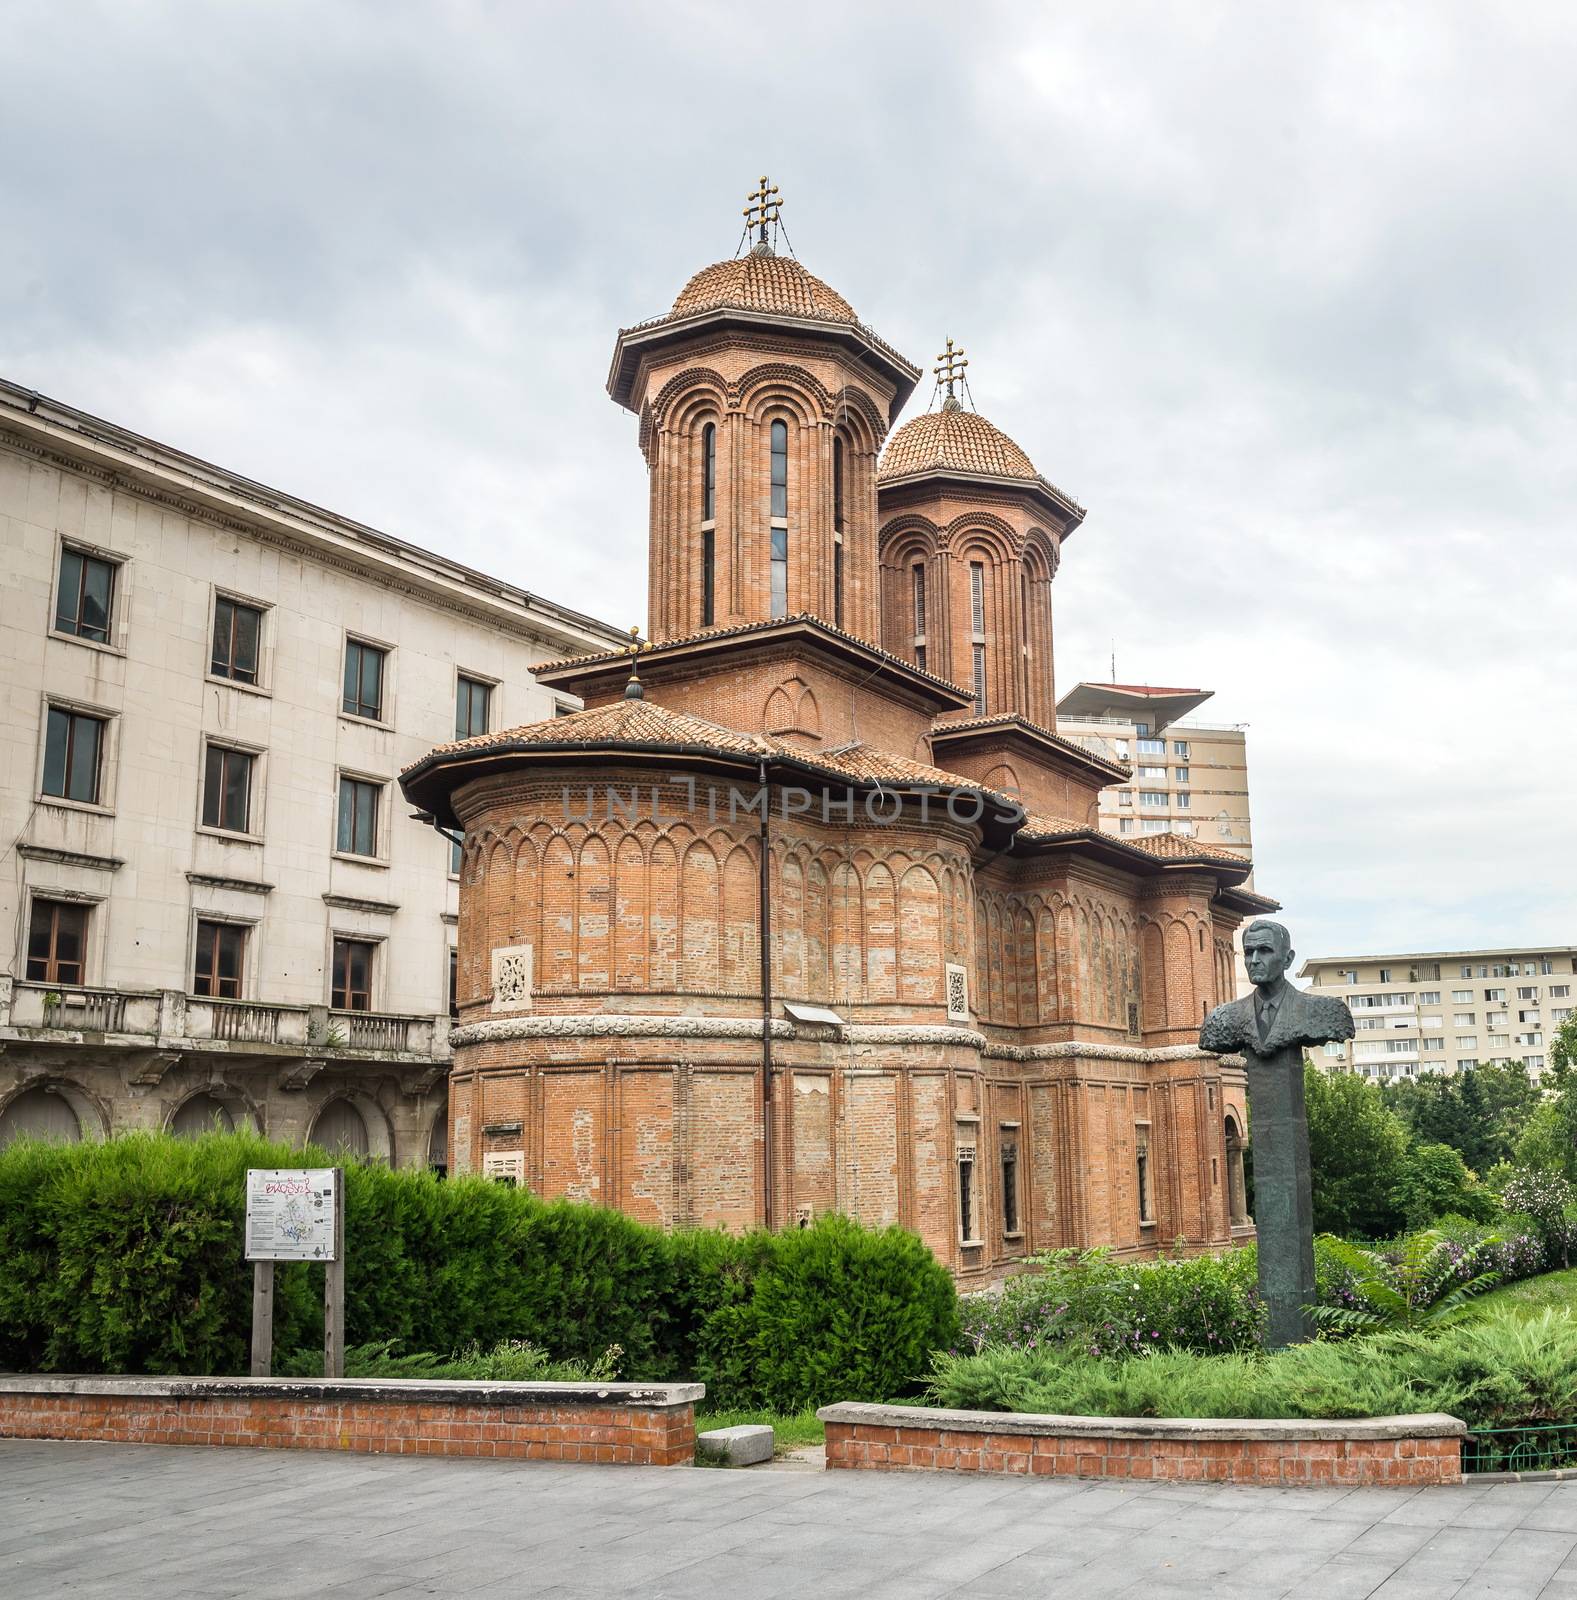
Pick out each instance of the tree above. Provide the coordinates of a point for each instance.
(1435, 1183)
(1549, 1139)
(1480, 1112)
(1356, 1150)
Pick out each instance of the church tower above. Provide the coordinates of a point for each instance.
(763, 402)
(971, 536)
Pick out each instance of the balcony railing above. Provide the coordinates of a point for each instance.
(252, 1027)
(86, 1010)
(370, 1030)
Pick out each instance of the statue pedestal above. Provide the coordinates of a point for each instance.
(1283, 1198)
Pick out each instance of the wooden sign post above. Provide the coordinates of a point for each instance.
(296, 1216)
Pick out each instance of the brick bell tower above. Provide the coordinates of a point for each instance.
(763, 402)
(971, 538)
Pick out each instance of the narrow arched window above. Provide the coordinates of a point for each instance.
(779, 518)
(977, 627)
(837, 531)
(708, 522)
(917, 586)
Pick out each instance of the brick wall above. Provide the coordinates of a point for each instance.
(1397, 1451)
(636, 1425)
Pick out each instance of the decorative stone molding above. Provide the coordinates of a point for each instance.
(599, 1025)
(910, 1033)
(352, 902)
(70, 858)
(1085, 1050)
(512, 977)
(214, 880)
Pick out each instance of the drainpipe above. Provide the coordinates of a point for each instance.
(764, 930)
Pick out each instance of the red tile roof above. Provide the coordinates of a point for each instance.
(956, 440)
(762, 283)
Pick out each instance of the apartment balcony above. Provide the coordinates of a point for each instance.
(169, 1021)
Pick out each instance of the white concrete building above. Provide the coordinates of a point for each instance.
(216, 903)
(1447, 1010)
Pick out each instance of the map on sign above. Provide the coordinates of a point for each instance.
(290, 1215)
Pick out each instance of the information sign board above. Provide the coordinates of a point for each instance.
(290, 1215)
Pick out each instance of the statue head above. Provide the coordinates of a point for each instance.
(1267, 952)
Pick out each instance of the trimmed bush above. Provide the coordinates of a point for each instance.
(127, 1256)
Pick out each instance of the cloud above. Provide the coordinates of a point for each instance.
(1284, 297)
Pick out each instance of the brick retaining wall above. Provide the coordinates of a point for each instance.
(1373, 1450)
(622, 1423)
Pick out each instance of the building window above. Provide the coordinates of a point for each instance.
(977, 624)
(1429, 997)
(1560, 991)
(85, 596)
(837, 485)
(1528, 992)
(1495, 995)
(456, 854)
(979, 674)
(1153, 797)
(216, 970)
(1181, 774)
(708, 518)
(238, 629)
(227, 789)
(1180, 748)
(779, 514)
(363, 680)
(1464, 1019)
(1142, 1172)
(968, 1233)
(1154, 825)
(358, 817)
(1010, 1183)
(57, 942)
(1184, 801)
(73, 754)
(1385, 974)
(352, 980)
(1462, 997)
(837, 581)
(917, 592)
(1125, 797)
(454, 983)
(1125, 825)
(1152, 747)
(472, 702)
(1154, 774)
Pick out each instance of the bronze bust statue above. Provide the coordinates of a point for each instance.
(1270, 1028)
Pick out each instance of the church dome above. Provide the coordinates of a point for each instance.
(762, 281)
(952, 440)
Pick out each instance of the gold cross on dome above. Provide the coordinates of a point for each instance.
(952, 366)
(637, 643)
(763, 208)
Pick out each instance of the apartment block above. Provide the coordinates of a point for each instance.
(1447, 1011)
(1189, 777)
(221, 909)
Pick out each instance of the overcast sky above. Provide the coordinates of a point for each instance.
(1284, 295)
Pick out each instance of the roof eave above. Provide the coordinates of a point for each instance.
(1042, 489)
(633, 343)
(1064, 749)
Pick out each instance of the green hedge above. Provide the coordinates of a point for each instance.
(127, 1256)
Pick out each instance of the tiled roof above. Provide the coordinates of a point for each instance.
(1179, 847)
(762, 283)
(1139, 688)
(953, 440)
(1011, 719)
(643, 722)
(736, 630)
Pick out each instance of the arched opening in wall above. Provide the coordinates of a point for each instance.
(202, 1113)
(708, 524)
(40, 1113)
(438, 1143)
(837, 531)
(778, 508)
(341, 1129)
(1237, 1198)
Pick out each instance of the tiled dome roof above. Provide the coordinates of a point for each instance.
(762, 282)
(956, 440)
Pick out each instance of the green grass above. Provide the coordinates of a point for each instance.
(1550, 1291)
(790, 1432)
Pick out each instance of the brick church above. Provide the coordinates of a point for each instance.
(808, 909)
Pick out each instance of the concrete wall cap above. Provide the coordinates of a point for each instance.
(392, 1391)
(1424, 1425)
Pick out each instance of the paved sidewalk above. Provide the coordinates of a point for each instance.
(147, 1520)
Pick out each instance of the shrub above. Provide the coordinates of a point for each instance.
(1497, 1372)
(1084, 1300)
(835, 1309)
(127, 1256)
(509, 1361)
(1429, 1282)
(1547, 1198)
